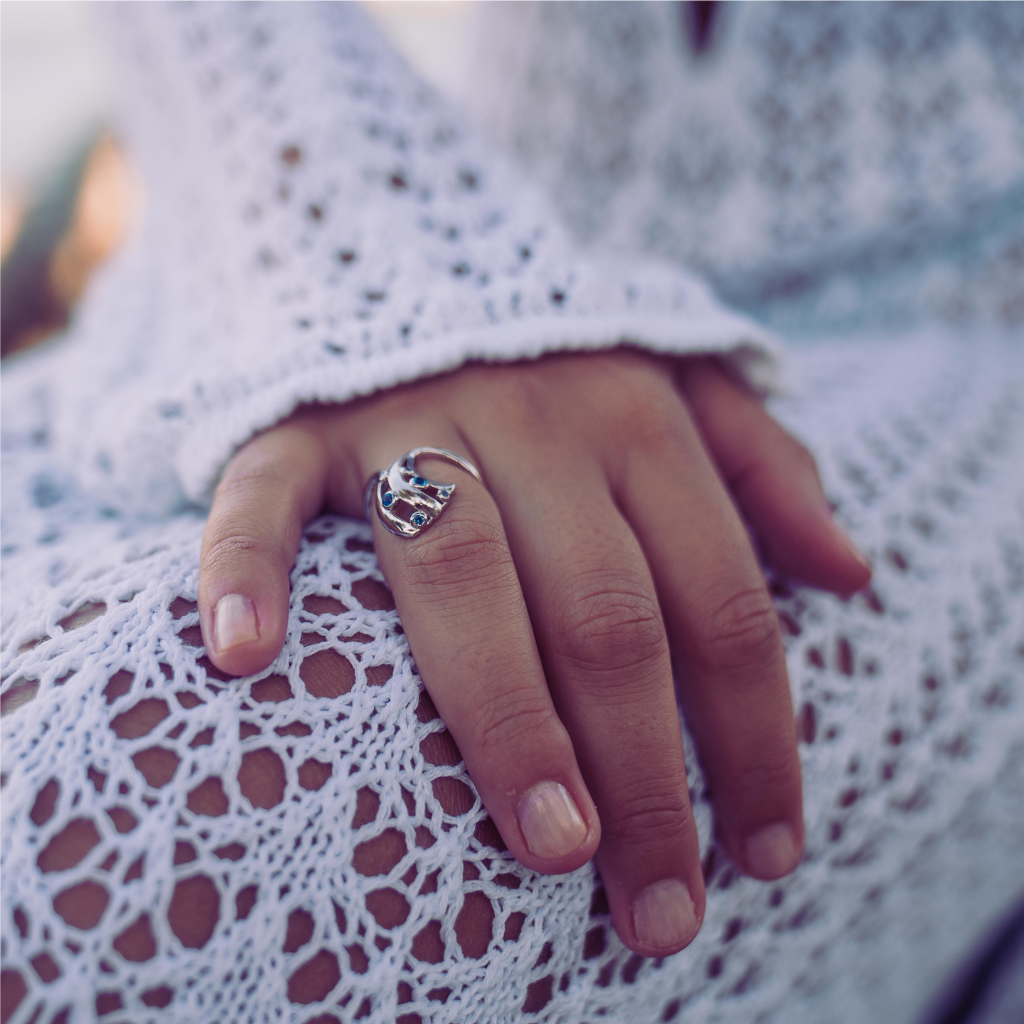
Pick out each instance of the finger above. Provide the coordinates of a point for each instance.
(774, 481)
(462, 608)
(606, 654)
(270, 488)
(723, 628)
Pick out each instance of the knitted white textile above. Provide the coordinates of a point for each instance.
(910, 704)
(141, 788)
(319, 226)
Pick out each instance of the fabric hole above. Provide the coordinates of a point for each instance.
(594, 943)
(261, 778)
(671, 1010)
(123, 819)
(159, 997)
(293, 729)
(141, 719)
(315, 604)
(327, 674)
(389, 908)
(69, 846)
(157, 765)
(136, 942)
(17, 697)
(108, 1002)
(454, 796)
(358, 959)
(181, 606)
(474, 926)
(118, 685)
(425, 710)
(83, 616)
(373, 595)
(191, 636)
(808, 723)
(46, 800)
(427, 945)
(367, 807)
(208, 798)
(632, 969)
(82, 905)
(12, 991)
(439, 748)
(844, 656)
(314, 774)
(46, 967)
(300, 930)
(314, 979)
(202, 739)
(513, 926)
(271, 689)
(538, 994)
(134, 870)
(194, 909)
(378, 856)
(233, 851)
(378, 675)
(245, 901)
(486, 832)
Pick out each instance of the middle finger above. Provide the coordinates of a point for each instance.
(605, 652)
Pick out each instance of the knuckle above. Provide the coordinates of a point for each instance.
(225, 550)
(611, 623)
(648, 418)
(459, 552)
(741, 631)
(770, 774)
(511, 719)
(657, 814)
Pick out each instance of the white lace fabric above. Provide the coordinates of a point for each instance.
(301, 845)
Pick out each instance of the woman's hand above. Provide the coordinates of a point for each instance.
(544, 608)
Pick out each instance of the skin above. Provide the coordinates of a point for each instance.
(607, 545)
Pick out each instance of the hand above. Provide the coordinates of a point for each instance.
(542, 609)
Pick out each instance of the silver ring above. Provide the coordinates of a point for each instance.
(406, 502)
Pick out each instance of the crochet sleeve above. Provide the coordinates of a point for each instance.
(319, 225)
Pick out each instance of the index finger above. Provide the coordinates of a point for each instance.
(270, 488)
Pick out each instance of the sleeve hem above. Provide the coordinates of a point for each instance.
(212, 437)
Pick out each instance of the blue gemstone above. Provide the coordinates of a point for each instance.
(419, 481)
(388, 500)
(418, 519)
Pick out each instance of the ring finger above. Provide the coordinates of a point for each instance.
(607, 658)
(458, 594)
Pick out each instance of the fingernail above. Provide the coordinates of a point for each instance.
(551, 822)
(771, 852)
(234, 622)
(663, 914)
(845, 542)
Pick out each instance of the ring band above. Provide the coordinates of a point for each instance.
(406, 502)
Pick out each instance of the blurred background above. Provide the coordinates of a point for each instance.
(67, 191)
